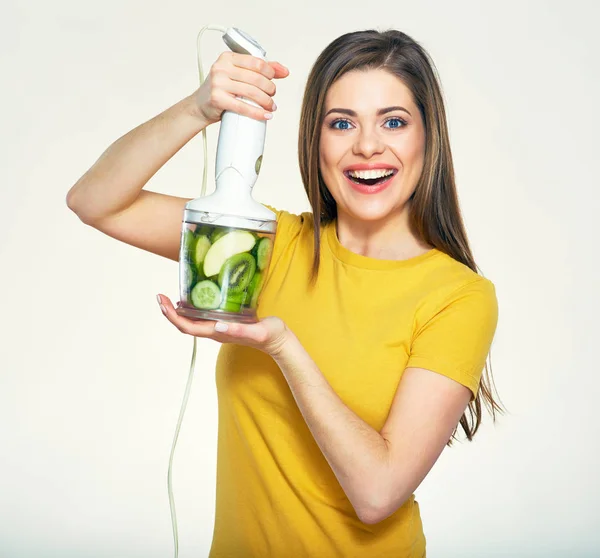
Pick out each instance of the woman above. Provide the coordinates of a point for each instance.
(375, 325)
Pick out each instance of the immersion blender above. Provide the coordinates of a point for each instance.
(226, 237)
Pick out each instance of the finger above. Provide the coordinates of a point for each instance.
(253, 63)
(250, 92)
(255, 333)
(225, 99)
(201, 328)
(281, 71)
(258, 80)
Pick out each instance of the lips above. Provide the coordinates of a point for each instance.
(365, 188)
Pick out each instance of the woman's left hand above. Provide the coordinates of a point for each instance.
(268, 335)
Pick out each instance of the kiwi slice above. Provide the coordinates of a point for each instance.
(206, 295)
(236, 273)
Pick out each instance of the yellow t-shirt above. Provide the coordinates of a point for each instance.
(364, 322)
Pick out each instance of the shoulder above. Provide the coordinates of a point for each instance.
(451, 286)
(289, 224)
(449, 278)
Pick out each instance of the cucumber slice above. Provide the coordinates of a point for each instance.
(255, 288)
(228, 245)
(263, 252)
(188, 275)
(206, 295)
(188, 241)
(200, 250)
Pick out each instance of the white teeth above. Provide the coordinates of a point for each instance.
(370, 174)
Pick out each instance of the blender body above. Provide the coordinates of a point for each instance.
(223, 267)
(227, 237)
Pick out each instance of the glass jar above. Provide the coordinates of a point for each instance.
(222, 269)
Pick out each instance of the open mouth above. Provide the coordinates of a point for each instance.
(371, 181)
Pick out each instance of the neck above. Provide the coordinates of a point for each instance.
(387, 239)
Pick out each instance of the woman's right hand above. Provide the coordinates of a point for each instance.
(238, 74)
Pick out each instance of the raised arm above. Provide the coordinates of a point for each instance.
(110, 195)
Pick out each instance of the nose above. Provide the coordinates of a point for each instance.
(368, 142)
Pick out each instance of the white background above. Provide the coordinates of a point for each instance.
(92, 375)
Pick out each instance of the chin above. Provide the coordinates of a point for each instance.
(371, 213)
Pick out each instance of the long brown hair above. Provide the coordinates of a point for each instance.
(434, 210)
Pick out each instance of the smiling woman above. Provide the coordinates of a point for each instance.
(374, 323)
(376, 79)
(333, 434)
(377, 147)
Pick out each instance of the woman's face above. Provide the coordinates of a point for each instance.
(354, 136)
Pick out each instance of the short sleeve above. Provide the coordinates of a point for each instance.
(456, 340)
(286, 222)
(289, 224)
(289, 228)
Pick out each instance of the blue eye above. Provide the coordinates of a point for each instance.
(403, 123)
(344, 121)
(340, 121)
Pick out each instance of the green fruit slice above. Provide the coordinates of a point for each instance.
(263, 253)
(255, 288)
(228, 245)
(217, 233)
(230, 306)
(188, 275)
(206, 295)
(233, 301)
(237, 298)
(204, 230)
(189, 240)
(200, 250)
(236, 273)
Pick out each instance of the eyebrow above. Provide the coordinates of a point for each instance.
(379, 112)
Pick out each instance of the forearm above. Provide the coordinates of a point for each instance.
(115, 180)
(355, 451)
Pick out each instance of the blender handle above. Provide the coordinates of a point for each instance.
(241, 138)
(242, 43)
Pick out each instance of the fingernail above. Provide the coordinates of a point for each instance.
(274, 106)
(163, 309)
(220, 326)
(158, 299)
(268, 115)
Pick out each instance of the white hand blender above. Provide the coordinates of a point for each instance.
(227, 237)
